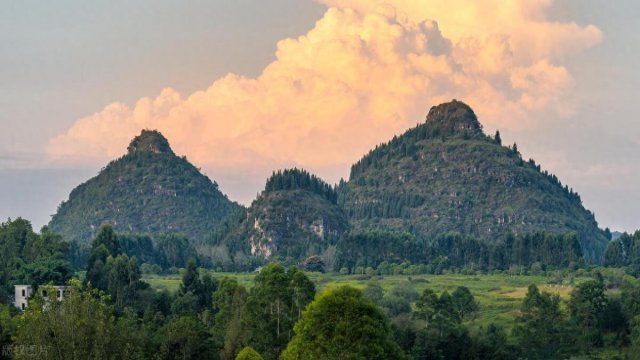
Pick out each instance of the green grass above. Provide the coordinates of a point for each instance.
(499, 296)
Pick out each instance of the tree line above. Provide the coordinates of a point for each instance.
(624, 252)
(293, 179)
(378, 248)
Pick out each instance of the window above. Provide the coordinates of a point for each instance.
(59, 294)
(23, 294)
(23, 304)
(44, 293)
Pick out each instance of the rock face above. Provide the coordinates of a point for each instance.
(295, 216)
(149, 190)
(447, 175)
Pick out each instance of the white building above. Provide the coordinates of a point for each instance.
(22, 295)
(24, 292)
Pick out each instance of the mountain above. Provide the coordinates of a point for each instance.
(149, 190)
(447, 175)
(295, 216)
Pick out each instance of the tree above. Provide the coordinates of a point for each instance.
(491, 344)
(314, 263)
(541, 329)
(497, 138)
(442, 334)
(123, 282)
(228, 301)
(248, 354)
(30, 258)
(302, 291)
(80, 327)
(174, 251)
(108, 238)
(463, 302)
(186, 338)
(587, 306)
(514, 148)
(7, 326)
(190, 278)
(273, 306)
(103, 246)
(342, 324)
(201, 287)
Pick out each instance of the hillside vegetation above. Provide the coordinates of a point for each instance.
(296, 216)
(149, 190)
(446, 175)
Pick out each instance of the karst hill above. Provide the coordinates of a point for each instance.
(149, 190)
(447, 175)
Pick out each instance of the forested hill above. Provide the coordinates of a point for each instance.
(148, 190)
(296, 216)
(447, 175)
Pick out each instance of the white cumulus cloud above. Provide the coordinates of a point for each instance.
(366, 70)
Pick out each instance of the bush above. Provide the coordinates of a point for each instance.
(248, 354)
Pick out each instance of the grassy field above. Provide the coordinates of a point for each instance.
(499, 296)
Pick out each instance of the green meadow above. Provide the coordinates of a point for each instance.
(499, 296)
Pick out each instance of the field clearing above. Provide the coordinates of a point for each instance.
(499, 296)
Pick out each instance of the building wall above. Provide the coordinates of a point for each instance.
(22, 294)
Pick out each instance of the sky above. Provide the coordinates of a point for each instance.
(245, 87)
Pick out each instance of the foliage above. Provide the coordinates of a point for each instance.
(248, 354)
(463, 302)
(186, 338)
(542, 331)
(228, 302)
(342, 324)
(587, 306)
(112, 271)
(274, 304)
(446, 175)
(371, 248)
(30, 258)
(201, 288)
(314, 263)
(293, 222)
(377, 248)
(294, 179)
(80, 327)
(149, 190)
(7, 326)
(491, 344)
(624, 251)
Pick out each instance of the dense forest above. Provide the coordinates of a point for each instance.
(118, 316)
(380, 250)
(112, 312)
(624, 252)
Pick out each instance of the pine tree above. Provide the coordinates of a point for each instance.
(497, 138)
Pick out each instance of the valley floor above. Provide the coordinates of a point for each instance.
(499, 296)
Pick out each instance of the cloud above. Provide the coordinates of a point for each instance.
(365, 71)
